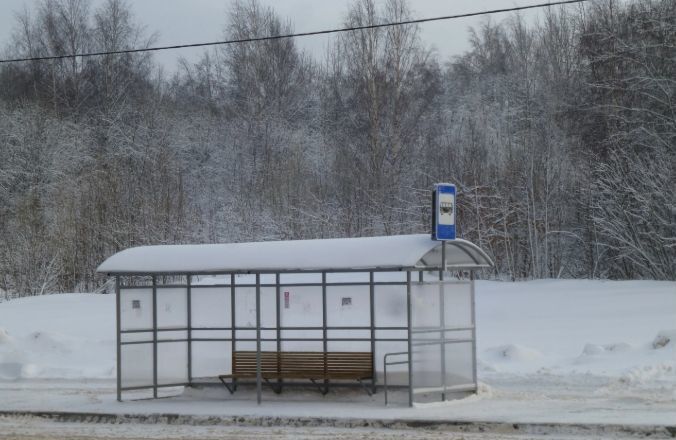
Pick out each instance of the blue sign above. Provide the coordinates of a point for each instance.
(444, 212)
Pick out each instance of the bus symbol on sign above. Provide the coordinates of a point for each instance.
(446, 208)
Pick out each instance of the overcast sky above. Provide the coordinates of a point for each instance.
(193, 21)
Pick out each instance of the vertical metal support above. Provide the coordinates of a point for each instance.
(233, 332)
(188, 280)
(259, 378)
(372, 312)
(442, 320)
(279, 313)
(420, 276)
(408, 324)
(118, 315)
(385, 376)
(154, 336)
(279, 326)
(443, 256)
(324, 332)
(473, 311)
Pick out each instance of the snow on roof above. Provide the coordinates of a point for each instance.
(391, 252)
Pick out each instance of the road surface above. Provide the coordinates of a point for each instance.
(29, 428)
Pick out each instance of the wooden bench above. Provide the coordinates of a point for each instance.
(307, 365)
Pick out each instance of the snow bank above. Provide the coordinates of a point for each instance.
(69, 336)
(604, 328)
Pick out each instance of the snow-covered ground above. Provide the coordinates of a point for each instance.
(549, 351)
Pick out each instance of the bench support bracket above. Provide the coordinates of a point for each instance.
(232, 388)
(276, 387)
(324, 390)
(365, 387)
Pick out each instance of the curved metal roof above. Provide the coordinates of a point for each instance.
(340, 254)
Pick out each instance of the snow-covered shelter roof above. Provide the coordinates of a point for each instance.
(339, 254)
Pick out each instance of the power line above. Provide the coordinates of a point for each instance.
(301, 34)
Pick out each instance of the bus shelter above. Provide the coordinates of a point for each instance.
(386, 311)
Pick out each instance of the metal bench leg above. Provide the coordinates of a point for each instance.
(277, 388)
(231, 389)
(324, 390)
(365, 387)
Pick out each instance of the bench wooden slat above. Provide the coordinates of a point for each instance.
(302, 365)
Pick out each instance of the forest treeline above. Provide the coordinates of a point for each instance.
(560, 134)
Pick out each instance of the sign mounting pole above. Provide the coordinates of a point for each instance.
(443, 229)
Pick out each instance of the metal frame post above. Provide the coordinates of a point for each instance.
(279, 325)
(278, 313)
(154, 336)
(473, 311)
(373, 330)
(259, 379)
(233, 332)
(410, 352)
(188, 281)
(324, 332)
(118, 316)
(442, 320)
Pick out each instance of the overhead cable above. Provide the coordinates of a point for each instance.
(295, 35)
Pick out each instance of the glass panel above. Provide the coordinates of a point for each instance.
(303, 308)
(347, 277)
(268, 307)
(172, 362)
(210, 307)
(298, 278)
(361, 346)
(245, 279)
(172, 308)
(458, 304)
(245, 307)
(136, 309)
(364, 346)
(348, 306)
(427, 379)
(268, 346)
(245, 340)
(137, 365)
(459, 368)
(296, 345)
(361, 334)
(391, 276)
(396, 374)
(425, 300)
(439, 361)
(302, 346)
(392, 334)
(211, 359)
(390, 305)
